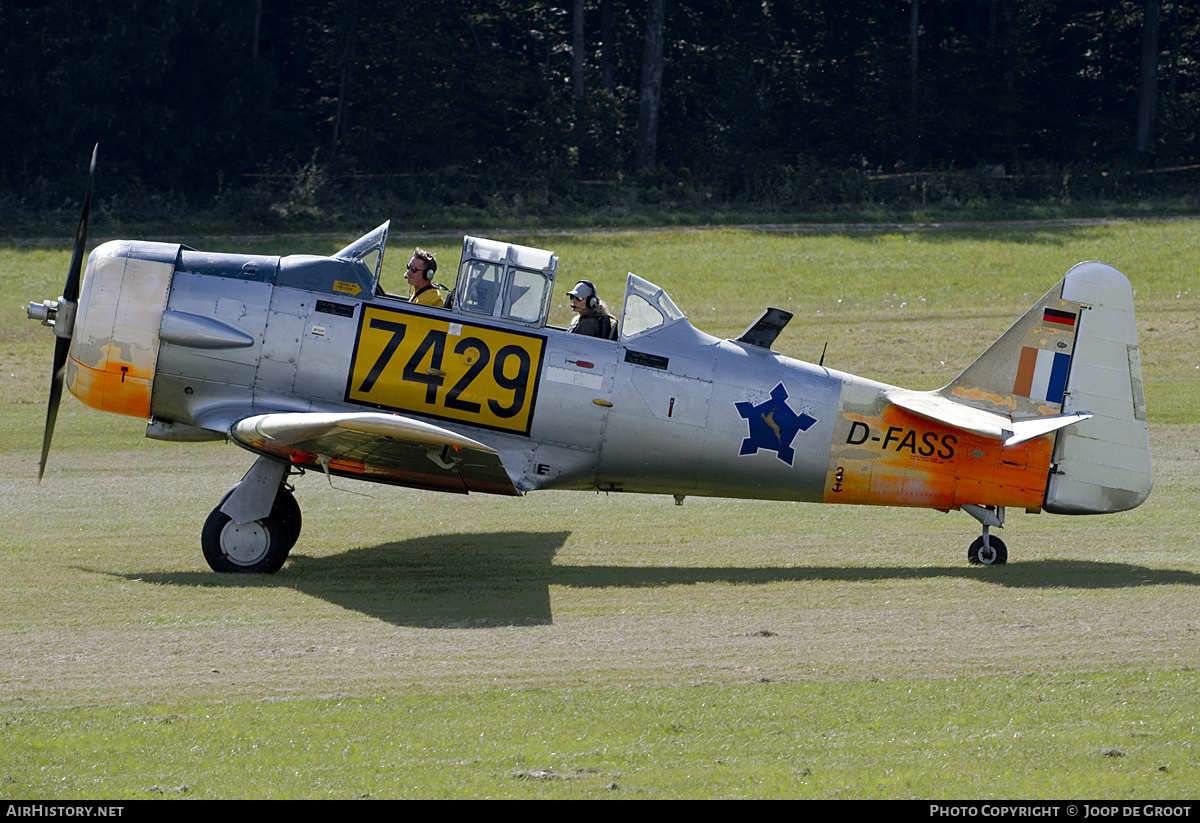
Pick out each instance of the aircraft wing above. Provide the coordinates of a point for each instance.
(383, 448)
(933, 406)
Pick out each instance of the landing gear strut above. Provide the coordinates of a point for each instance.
(987, 550)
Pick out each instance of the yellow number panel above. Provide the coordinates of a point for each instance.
(445, 368)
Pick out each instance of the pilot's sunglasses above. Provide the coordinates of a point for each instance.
(414, 268)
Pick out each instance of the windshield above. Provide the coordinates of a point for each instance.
(366, 247)
(647, 307)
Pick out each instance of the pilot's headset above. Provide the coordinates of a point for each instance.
(430, 262)
(585, 291)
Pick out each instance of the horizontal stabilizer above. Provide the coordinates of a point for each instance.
(933, 406)
(1037, 426)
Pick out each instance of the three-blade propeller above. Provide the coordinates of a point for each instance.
(63, 314)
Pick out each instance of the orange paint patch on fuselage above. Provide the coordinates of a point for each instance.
(116, 386)
(900, 459)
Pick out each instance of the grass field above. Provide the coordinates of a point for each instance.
(585, 645)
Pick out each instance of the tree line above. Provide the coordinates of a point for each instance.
(743, 100)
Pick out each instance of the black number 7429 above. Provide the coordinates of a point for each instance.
(432, 376)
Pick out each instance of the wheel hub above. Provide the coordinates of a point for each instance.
(245, 543)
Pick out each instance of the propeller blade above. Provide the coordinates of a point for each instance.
(71, 289)
(61, 347)
(62, 339)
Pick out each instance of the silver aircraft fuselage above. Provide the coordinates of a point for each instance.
(305, 361)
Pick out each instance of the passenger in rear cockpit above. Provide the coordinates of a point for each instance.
(591, 315)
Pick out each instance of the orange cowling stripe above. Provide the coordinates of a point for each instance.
(118, 388)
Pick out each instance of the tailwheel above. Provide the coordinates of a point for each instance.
(258, 547)
(989, 552)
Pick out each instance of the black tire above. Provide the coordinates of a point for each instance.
(287, 511)
(998, 556)
(258, 547)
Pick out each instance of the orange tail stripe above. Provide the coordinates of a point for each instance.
(1025, 370)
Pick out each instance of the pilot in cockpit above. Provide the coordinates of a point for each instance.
(420, 273)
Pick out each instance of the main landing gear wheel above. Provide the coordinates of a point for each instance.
(288, 511)
(257, 547)
(995, 554)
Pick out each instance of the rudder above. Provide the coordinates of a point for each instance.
(1102, 464)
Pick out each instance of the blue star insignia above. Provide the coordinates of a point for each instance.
(773, 425)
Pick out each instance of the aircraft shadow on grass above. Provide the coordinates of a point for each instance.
(504, 578)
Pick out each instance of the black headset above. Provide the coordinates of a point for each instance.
(430, 265)
(591, 301)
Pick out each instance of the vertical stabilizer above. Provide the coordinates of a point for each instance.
(1024, 373)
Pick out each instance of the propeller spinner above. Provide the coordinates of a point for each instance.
(60, 314)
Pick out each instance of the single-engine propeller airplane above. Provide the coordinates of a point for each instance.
(306, 362)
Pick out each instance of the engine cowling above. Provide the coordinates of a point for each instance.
(115, 343)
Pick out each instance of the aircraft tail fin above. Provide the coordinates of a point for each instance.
(1075, 351)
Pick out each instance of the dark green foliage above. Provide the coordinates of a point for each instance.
(300, 110)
